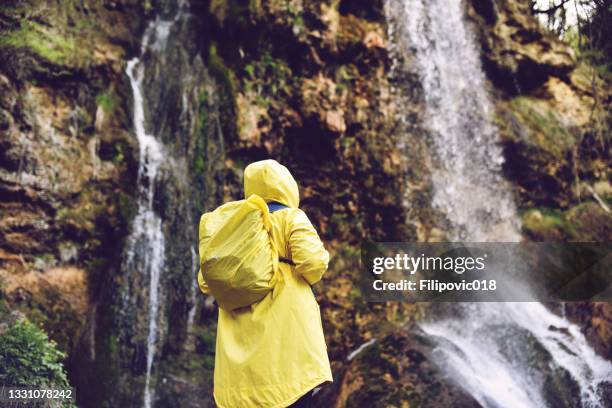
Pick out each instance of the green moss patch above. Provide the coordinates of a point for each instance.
(584, 222)
(543, 125)
(545, 224)
(107, 101)
(41, 40)
(220, 71)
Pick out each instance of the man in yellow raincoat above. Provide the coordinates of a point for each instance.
(274, 354)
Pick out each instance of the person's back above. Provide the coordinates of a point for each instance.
(272, 353)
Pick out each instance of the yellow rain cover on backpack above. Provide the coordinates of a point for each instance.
(238, 259)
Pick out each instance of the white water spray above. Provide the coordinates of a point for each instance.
(195, 267)
(490, 350)
(469, 188)
(146, 246)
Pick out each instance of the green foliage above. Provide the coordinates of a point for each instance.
(202, 136)
(59, 32)
(199, 165)
(297, 21)
(44, 260)
(206, 339)
(594, 57)
(53, 47)
(119, 156)
(74, 216)
(597, 60)
(547, 224)
(298, 24)
(266, 77)
(228, 92)
(589, 36)
(596, 32)
(543, 124)
(344, 78)
(29, 358)
(220, 71)
(543, 218)
(572, 37)
(107, 101)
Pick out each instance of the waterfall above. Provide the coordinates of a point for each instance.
(194, 290)
(506, 355)
(503, 354)
(469, 188)
(145, 246)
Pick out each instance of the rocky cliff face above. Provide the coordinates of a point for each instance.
(309, 83)
(67, 157)
(69, 170)
(552, 114)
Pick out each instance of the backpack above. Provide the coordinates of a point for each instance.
(238, 258)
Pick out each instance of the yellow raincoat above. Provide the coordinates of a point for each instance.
(271, 354)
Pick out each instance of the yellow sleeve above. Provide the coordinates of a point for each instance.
(202, 284)
(307, 250)
(201, 232)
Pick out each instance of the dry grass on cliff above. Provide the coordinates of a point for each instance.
(69, 283)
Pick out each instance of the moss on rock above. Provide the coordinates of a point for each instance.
(585, 222)
(34, 36)
(542, 126)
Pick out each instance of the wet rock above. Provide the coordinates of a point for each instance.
(335, 121)
(596, 320)
(519, 55)
(251, 117)
(396, 371)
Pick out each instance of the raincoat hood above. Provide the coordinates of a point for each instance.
(271, 181)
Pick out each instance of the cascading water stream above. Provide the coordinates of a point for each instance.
(195, 267)
(503, 354)
(469, 188)
(146, 247)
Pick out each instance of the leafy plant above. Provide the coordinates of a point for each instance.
(297, 21)
(106, 101)
(266, 76)
(29, 358)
